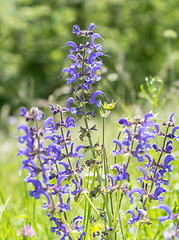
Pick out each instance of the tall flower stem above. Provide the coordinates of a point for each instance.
(38, 139)
(96, 170)
(119, 200)
(69, 161)
(152, 184)
(105, 162)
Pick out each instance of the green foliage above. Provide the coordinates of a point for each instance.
(154, 90)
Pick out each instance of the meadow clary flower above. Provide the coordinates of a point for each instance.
(59, 229)
(173, 133)
(124, 121)
(68, 109)
(122, 174)
(95, 94)
(137, 190)
(156, 194)
(167, 160)
(171, 117)
(169, 216)
(138, 151)
(135, 217)
(90, 58)
(127, 140)
(145, 177)
(120, 151)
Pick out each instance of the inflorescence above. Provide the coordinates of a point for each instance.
(57, 165)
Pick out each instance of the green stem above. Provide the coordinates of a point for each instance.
(152, 184)
(92, 205)
(118, 204)
(96, 170)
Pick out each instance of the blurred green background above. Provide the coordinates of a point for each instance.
(32, 31)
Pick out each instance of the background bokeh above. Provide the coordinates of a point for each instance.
(32, 32)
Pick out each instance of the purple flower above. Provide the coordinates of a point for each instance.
(168, 148)
(124, 122)
(76, 191)
(122, 174)
(38, 189)
(97, 78)
(159, 178)
(157, 129)
(64, 206)
(59, 188)
(75, 223)
(144, 135)
(169, 216)
(138, 151)
(156, 194)
(120, 151)
(157, 149)
(68, 109)
(54, 152)
(70, 122)
(145, 177)
(167, 160)
(92, 25)
(127, 140)
(72, 44)
(55, 110)
(174, 232)
(136, 218)
(98, 47)
(23, 112)
(96, 93)
(173, 133)
(49, 125)
(137, 190)
(76, 29)
(147, 123)
(59, 229)
(73, 72)
(171, 117)
(38, 114)
(66, 166)
(76, 153)
(92, 57)
(111, 178)
(149, 161)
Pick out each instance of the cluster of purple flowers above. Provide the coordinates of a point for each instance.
(44, 155)
(56, 168)
(136, 143)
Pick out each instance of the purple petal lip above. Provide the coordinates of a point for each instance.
(169, 216)
(173, 132)
(171, 117)
(92, 25)
(116, 152)
(124, 122)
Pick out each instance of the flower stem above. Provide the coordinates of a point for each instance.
(152, 184)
